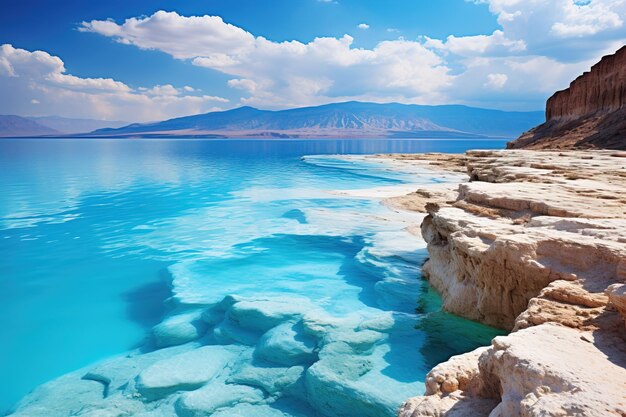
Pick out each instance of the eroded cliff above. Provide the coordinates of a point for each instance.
(591, 113)
(536, 244)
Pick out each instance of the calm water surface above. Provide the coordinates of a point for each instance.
(100, 238)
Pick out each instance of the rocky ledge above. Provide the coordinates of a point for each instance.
(534, 243)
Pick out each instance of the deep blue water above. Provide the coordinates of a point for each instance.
(99, 239)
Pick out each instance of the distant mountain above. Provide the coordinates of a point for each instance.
(350, 119)
(14, 126)
(67, 125)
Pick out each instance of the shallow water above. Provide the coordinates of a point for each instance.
(100, 240)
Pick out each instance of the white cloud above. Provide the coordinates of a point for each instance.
(567, 30)
(215, 98)
(37, 83)
(291, 73)
(163, 90)
(496, 81)
(363, 26)
(181, 37)
(519, 82)
(541, 46)
(480, 45)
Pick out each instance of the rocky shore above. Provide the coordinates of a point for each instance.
(534, 243)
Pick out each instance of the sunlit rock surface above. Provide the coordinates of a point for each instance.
(535, 243)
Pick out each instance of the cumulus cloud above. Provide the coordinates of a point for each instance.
(291, 73)
(496, 44)
(496, 81)
(518, 82)
(363, 26)
(540, 46)
(567, 30)
(564, 34)
(29, 78)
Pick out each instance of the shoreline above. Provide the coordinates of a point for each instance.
(331, 359)
(534, 244)
(566, 334)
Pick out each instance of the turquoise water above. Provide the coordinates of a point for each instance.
(100, 240)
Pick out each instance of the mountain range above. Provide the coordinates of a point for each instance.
(338, 120)
(349, 119)
(16, 126)
(13, 126)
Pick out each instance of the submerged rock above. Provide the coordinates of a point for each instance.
(336, 336)
(184, 372)
(262, 315)
(64, 396)
(275, 381)
(286, 345)
(213, 397)
(179, 329)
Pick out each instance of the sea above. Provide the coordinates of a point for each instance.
(101, 240)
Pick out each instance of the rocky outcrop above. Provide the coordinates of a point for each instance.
(617, 298)
(591, 113)
(603, 89)
(547, 370)
(536, 244)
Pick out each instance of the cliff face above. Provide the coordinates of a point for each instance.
(591, 113)
(536, 244)
(603, 89)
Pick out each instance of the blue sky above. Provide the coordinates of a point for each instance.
(147, 60)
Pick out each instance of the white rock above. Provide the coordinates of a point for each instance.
(184, 372)
(214, 396)
(273, 380)
(179, 329)
(285, 345)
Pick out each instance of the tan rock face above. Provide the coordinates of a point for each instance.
(617, 297)
(547, 370)
(536, 243)
(530, 219)
(591, 113)
(603, 89)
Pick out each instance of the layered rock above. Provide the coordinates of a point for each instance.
(603, 89)
(536, 244)
(591, 113)
(547, 370)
